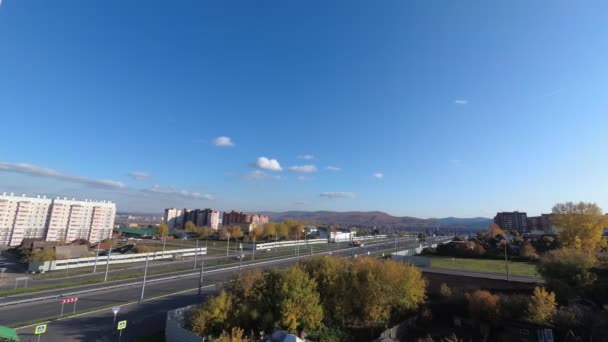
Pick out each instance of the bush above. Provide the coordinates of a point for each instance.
(445, 291)
(567, 271)
(482, 304)
(542, 306)
(527, 251)
(513, 306)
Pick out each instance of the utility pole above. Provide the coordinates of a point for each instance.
(200, 279)
(228, 246)
(143, 285)
(240, 260)
(253, 251)
(164, 240)
(195, 255)
(96, 256)
(105, 278)
(506, 262)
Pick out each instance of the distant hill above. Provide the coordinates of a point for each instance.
(368, 219)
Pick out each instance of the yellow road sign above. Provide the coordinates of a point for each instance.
(122, 325)
(40, 329)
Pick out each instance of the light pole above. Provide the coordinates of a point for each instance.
(195, 254)
(228, 246)
(240, 259)
(164, 241)
(253, 251)
(96, 256)
(506, 262)
(105, 278)
(200, 279)
(143, 285)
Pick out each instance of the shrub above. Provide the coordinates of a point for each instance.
(445, 291)
(482, 304)
(542, 306)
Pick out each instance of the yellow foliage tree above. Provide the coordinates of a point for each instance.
(580, 225)
(495, 230)
(162, 230)
(542, 306)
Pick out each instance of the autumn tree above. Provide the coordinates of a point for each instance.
(567, 271)
(190, 227)
(224, 233)
(46, 254)
(495, 230)
(482, 304)
(580, 225)
(526, 250)
(542, 306)
(162, 230)
(299, 301)
(270, 230)
(211, 317)
(235, 232)
(282, 230)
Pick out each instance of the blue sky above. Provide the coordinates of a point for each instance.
(422, 108)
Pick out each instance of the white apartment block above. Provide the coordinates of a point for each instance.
(54, 219)
(173, 218)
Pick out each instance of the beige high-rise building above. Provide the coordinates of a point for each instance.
(173, 218)
(54, 219)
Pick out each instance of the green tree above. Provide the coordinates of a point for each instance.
(282, 230)
(542, 306)
(513, 306)
(162, 230)
(299, 301)
(47, 254)
(580, 225)
(567, 271)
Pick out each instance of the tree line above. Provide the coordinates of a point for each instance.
(326, 298)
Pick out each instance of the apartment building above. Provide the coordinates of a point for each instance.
(56, 219)
(237, 217)
(177, 218)
(512, 221)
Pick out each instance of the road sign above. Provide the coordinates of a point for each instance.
(40, 329)
(115, 309)
(2, 269)
(122, 325)
(69, 300)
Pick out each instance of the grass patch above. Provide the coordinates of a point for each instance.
(516, 268)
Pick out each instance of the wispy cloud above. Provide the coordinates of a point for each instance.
(378, 175)
(40, 171)
(333, 195)
(299, 203)
(306, 156)
(461, 102)
(304, 178)
(303, 168)
(156, 189)
(267, 164)
(138, 175)
(223, 141)
(258, 174)
(332, 168)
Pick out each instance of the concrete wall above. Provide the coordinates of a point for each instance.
(115, 259)
(174, 331)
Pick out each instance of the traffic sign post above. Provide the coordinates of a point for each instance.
(115, 310)
(68, 300)
(40, 329)
(121, 326)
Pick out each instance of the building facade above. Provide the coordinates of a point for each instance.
(540, 223)
(177, 218)
(237, 217)
(512, 221)
(23, 217)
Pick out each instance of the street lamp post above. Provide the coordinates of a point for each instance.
(105, 278)
(200, 279)
(228, 246)
(96, 256)
(195, 255)
(143, 285)
(506, 262)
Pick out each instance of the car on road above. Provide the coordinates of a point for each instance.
(356, 243)
(239, 257)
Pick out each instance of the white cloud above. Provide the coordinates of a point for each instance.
(223, 142)
(39, 171)
(332, 168)
(303, 168)
(304, 178)
(332, 195)
(267, 164)
(306, 157)
(257, 174)
(378, 175)
(137, 175)
(156, 189)
(461, 102)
